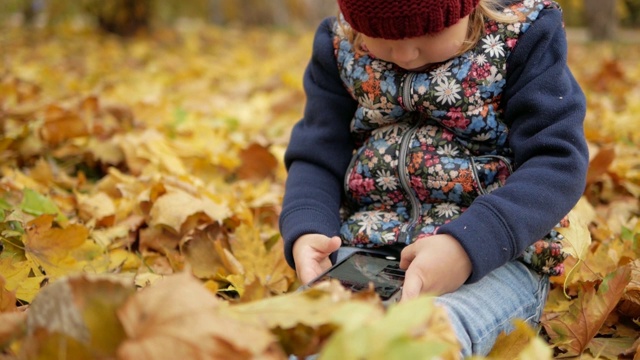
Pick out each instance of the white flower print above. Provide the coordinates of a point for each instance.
(447, 92)
(494, 76)
(493, 45)
(441, 73)
(447, 209)
(385, 180)
(422, 89)
(388, 237)
(482, 137)
(369, 221)
(481, 59)
(448, 150)
(377, 117)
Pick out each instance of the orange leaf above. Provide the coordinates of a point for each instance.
(257, 163)
(573, 330)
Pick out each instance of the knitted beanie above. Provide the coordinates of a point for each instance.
(399, 19)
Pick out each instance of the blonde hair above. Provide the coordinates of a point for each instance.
(486, 10)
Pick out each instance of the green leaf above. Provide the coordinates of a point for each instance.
(37, 204)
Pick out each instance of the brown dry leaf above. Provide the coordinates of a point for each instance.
(573, 330)
(630, 304)
(257, 163)
(77, 316)
(61, 125)
(61, 251)
(199, 251)
(600, 162)
(12, 326)
(7, 298)
(174, 208)
(177, 318)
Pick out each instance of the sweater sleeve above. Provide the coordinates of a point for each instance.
(545, 108)
(319, 150)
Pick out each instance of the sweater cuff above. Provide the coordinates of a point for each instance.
(483, 234)
(296, 223)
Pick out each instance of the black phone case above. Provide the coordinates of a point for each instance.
(359, 269)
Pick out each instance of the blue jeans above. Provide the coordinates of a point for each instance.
(479, 312)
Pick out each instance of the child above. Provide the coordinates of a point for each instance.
(451, 130)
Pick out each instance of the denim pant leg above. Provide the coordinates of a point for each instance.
(479, 312)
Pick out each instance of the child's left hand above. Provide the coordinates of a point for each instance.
(436, 264)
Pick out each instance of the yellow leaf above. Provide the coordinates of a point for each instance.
(97, 207)
(173, 209)
(521, 343)
(61, 251)
(577, 237)
(123, 260)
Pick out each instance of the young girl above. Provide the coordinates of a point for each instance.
(451, 130)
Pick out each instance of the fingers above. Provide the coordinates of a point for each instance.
(412, 286)
(407, 255)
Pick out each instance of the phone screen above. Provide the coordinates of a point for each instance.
(361, 268)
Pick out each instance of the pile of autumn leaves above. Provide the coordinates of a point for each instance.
(140, 190)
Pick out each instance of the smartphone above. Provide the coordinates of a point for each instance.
(361, 268)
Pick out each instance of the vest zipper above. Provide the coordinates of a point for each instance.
(407, 84)
(407, 228)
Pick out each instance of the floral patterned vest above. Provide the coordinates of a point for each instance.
(429, 142)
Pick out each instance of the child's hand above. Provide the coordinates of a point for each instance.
(437, 264)
(311, 255)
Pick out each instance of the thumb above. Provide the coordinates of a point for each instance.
(411, 287)
(330, 246)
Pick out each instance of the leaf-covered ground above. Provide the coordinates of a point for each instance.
(151, 170)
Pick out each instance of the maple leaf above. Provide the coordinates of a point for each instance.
(269, 267)
(77, 316)
(61, 251)
(174, 208)
(177, 318)
(573, 330)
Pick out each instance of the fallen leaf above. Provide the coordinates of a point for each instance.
(77, 316)
(573, 330)
(174, 208)
(177, 318)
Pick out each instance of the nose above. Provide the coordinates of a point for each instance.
(404, 53)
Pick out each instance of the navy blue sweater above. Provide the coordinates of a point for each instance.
(544, 107)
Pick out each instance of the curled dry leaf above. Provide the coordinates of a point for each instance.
(174, 208)
(573, 330)
(177, 318)
(77, 316)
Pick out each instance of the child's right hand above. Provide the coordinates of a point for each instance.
(311, 255)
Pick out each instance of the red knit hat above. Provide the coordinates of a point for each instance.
(399, 19)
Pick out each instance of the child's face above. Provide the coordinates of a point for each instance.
(416, 53)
